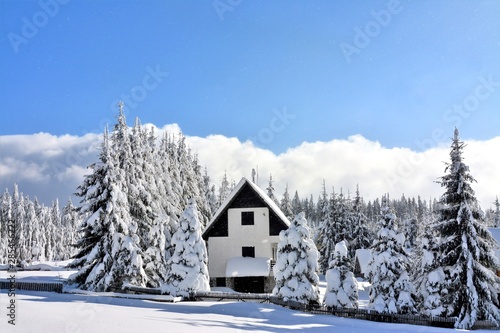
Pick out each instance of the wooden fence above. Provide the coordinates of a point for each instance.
(267, 298)
(363, 314)
(35, 286)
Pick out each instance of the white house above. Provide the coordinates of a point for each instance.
(242, 239)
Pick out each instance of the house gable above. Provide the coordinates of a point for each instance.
(245, 195)
(247, 198)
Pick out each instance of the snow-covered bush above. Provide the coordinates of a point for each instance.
(296, 265)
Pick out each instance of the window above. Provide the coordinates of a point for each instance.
(248, 251)
(220, 282)
(247, 218)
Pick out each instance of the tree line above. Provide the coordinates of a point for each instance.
(450, 272)
(146, 200)
(41, 233)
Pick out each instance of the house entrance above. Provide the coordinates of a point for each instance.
(249, 284)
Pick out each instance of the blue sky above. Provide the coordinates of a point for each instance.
(350, 92)
(273, 72)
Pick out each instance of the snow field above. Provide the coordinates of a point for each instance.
(74, 313)
(69, 313)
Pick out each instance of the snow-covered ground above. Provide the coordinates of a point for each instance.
(73, 313)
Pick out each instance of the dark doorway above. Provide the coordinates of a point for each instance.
(249, 284)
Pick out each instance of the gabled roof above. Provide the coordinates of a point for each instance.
(234, 194)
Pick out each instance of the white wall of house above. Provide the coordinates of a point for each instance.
(221, 249)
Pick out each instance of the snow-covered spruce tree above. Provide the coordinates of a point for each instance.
(286, 204)
(342, 219)
(427, 276)
(297, 204)
(342, 287)
(310, 211)
(296, 265)
(362, 236)
(145, 203)
(58, 247)
(5, 217)
(18, 216)
(466, 256)
(270, 191)
(320, 212)
(325, 237)
(496, 214)
(33, 230)
(71, 220)
(224, 189)
(209, 192)
(108, 254)
(188, 271)
(336, 227)
(391, 290)
(41, 237)
(191, 181)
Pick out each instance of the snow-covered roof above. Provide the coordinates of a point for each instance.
(269, 202)
(363, 257)
(495, 232)
(247, 266)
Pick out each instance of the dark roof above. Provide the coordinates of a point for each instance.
(246, 195)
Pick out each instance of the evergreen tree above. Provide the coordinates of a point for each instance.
(326, 232)
(5, 218)
(426, 274)
(224, 189)
(108, 254)
(496, 215)
(322, 208)
(57, 236)
(296, 204)
(32, 230)
(342, 219)
(188, 271)
(70, 221)
(310, 211)
(286, 204)
(41, 213)
(342, 287)
(362, 237)
(145, 205)
(296, 265)
(470, 285)
(391, 290)
(210, 195)
(19, 216)
(270, 191)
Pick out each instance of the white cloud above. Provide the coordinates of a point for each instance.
(45, 165)
(345, 163)
(49, 166)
